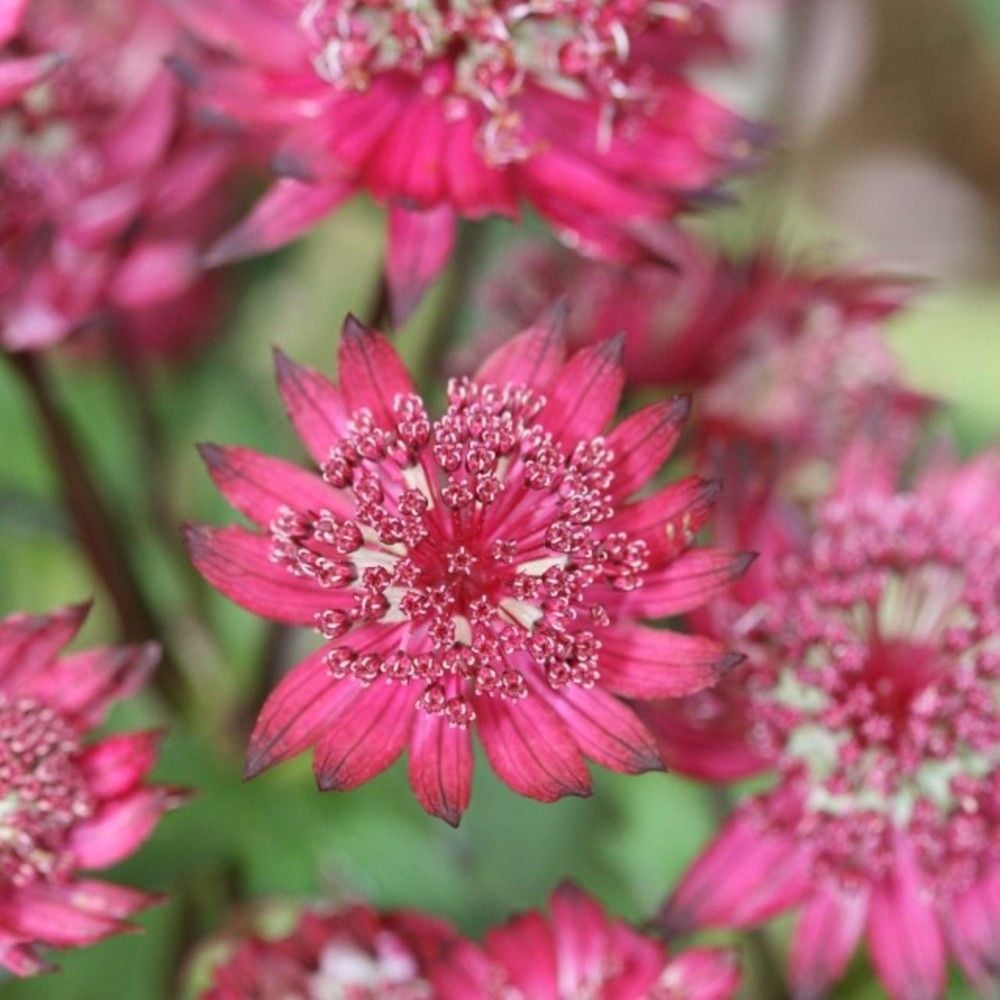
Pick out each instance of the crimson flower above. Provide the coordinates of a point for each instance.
(353, 953)
(871, 694)
(483, 570)
(107, 187)
(581, 109)
(579, 951)
(787, 357)
(67, 805)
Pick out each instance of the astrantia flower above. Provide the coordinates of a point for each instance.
(579, 951)
(874, 672)
(107, 188)
(483, 570)
(350, 954)
(789, 360)
(579, 108)
(67, 804)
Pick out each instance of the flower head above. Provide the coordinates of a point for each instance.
(483, 570)
(790, 360)
(873, 679)
(579, 951)
(582, 109)
(107, 186)
(353, 953)
(67, 805)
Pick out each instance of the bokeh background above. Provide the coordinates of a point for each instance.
(888, 113)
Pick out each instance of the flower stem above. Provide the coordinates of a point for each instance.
(96, 528)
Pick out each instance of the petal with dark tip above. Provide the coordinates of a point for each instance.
(371, 372)
(605, 729)
(365, 735)
(440, 767)
(530, 748)
(643, 441)
(237, 563)
(683, 585)
(259, 486)
(313, 404)
(533, 358)
(646, 663)
(585, 395)
(288, 209)
(420, 244)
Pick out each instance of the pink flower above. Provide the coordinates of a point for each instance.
(580, 109)
(484, 570)
(789, 359)
(872, 674)
(67, 805)
(578, 951)
(107, 186)
(353, 953)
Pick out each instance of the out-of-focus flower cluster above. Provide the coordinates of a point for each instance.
(67, 804)
(576, 950)
(584, 111)
(110, 184)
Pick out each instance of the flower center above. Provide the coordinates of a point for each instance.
(476, 539)
(481, 55)
(43, 793)
(887, 711)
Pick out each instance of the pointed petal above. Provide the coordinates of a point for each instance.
(462, 969)
(136, 143)
(606, 730)
(533, 358)
(288, 209)
(646, 663)
(116, 765)
(642, 442)
(440, 767)
(585, 395)
(745, 875)
(314, 406)
(683, 585)
(371, 372)
(259, 486)
(525, 948)
(21, 959)
(365, 737)
(530, 749)
(298, 711)
(237, 562)
(84, 685)
(826, 934)
(581, 938)
(420, 244)
(904, 933)
(29, 643)
(118, 828)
